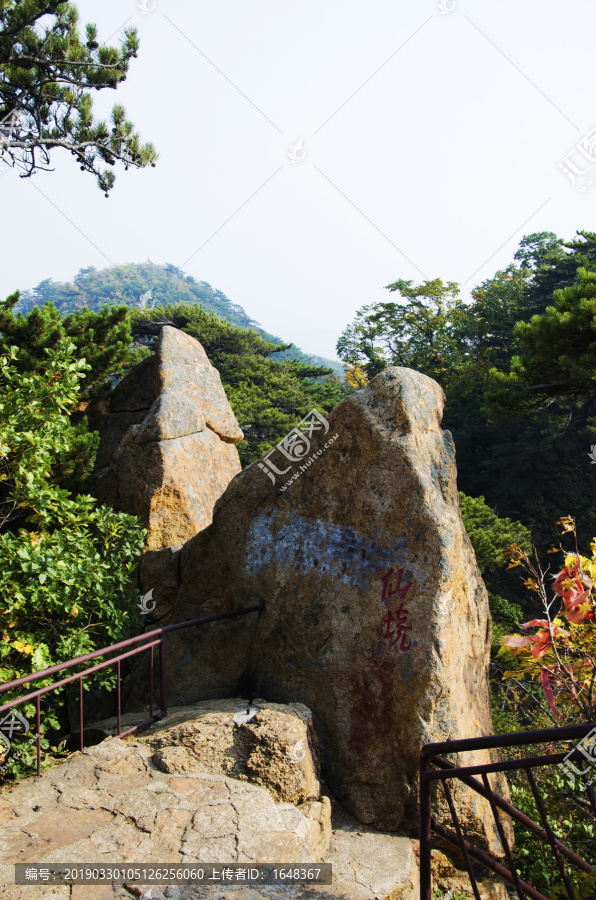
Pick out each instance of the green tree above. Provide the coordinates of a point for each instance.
(539, 251)
(557, 359)
(521, 467)
(531, 470)
(488, 325)
(430, 330)
(47, 73)
(553, 265)
(519, 459)
(102, 338)
(64, 574)
(420, 332)
(497, 304)
(491, 536)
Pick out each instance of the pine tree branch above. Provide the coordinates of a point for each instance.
(58, 142)
(51, 63)
(577, 380)
(49, 9)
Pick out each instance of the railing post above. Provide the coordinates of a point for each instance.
(120, 645)
(38, 724)
(460, 838)
(119, 700)
(502, 836)
(549, 832)
(425, 833)
(162, 673)
(81, 710)
(151, 686)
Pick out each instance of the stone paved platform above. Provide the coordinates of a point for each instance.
(111, 803)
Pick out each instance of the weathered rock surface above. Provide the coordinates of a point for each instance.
(355, 560)
(115, 800)
(110, 804)
(268, 744)
(448, 878)
(167, 450)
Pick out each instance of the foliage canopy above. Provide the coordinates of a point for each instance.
(65, 564)
(47, 74)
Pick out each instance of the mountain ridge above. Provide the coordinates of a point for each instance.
(131, 284)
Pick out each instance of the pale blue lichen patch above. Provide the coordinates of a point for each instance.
(313, 545)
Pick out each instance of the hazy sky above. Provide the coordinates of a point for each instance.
(431, 143)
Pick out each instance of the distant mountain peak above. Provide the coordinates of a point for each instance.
(131, 283)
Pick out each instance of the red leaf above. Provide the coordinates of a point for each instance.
(548, 693)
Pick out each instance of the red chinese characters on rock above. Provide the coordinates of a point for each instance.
(396, 630)
(388, 591)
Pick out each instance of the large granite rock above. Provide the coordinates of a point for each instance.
(167, 442)
(353, 550)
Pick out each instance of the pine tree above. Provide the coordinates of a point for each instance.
(554, 264)
(101, 338)
(557, 359)
(47, 73)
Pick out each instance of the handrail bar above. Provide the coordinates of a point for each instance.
(515, 813)
(435, 769)
(58, 684)
(505, 766)
(145, 643)
(53, 670)
(513, 739)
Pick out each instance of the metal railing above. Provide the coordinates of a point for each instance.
(431, 755)
(147, 641)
